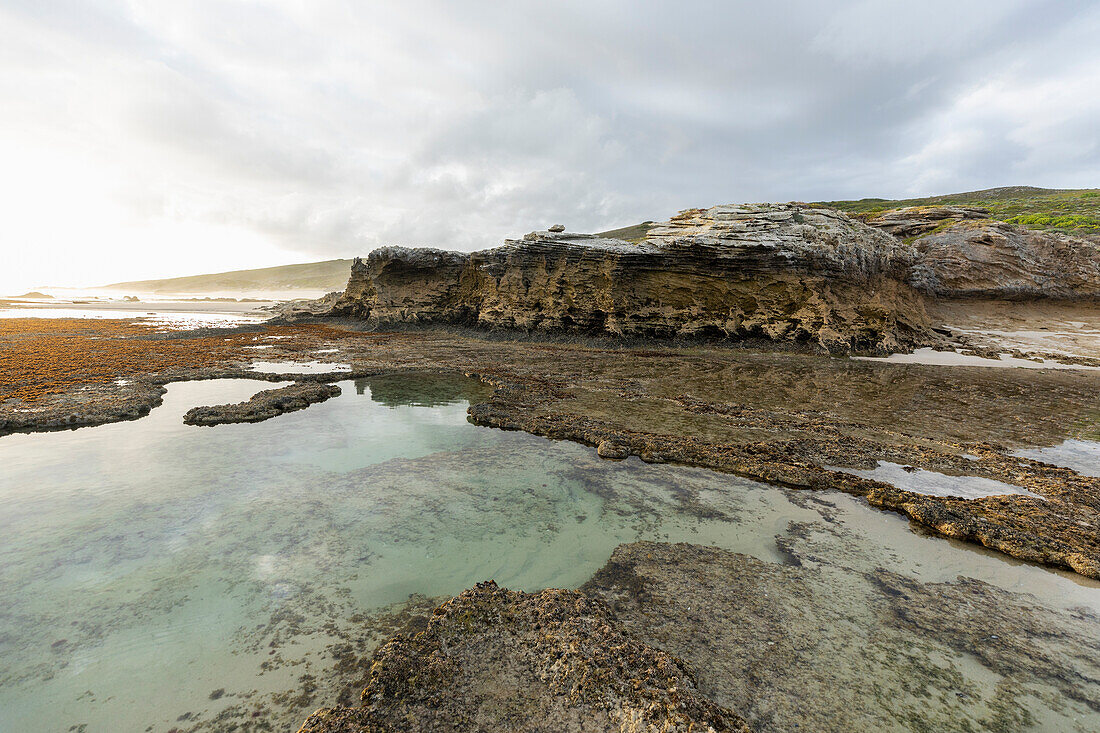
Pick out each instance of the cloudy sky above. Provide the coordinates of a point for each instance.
(150, 138)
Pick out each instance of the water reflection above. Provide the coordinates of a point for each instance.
(423, 389)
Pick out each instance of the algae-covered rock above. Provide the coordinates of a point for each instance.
(263, 405)
(492, 659)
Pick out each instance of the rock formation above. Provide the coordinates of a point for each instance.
(913, 221)
(959, 252)
(785, 273)
(263, 405)
(492, 659)
(999, 260)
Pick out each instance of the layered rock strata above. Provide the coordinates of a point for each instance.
(784, 273)
(992, 259)
(914, 221)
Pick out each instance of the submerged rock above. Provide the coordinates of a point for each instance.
(492, 659)
(826, 644)
(673, 637)
(783, 273)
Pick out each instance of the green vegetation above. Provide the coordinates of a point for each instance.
(1045, 221)
(1076, 211)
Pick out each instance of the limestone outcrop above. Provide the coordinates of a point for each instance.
(995, 259)
(914, 221)
(784, 273)
(959, 252)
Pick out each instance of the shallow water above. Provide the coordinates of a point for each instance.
(1083, 456)
(145, 313)
(296, 367)
(923, 481)
(147, 564)
(933, 357)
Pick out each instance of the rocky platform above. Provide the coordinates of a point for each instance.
(492, 659)
(782, 273)
(784, 418)
(677, 637)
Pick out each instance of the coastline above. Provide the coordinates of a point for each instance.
(788, 418)
(708, 407)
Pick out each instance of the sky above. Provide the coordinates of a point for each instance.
(160, 138)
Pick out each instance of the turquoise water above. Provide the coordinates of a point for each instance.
(146, 564)
(157, 576)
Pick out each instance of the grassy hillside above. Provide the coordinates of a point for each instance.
(328, 275)
(633, 233)
(1075, 211)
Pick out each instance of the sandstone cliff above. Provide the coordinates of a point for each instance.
(786, 273)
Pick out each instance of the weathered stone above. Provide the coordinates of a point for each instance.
(557, 228)
(295, 310)
(995, 259)
(783, 273)
(608, 449)
(913, 221)
(959, 252)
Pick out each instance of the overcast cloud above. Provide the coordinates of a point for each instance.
(159, 138)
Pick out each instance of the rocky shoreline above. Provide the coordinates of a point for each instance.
(754, 423)
(680, 637)
(634, 648)
(783, 273)
(493, 659)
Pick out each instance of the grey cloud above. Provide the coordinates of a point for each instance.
(333, 127)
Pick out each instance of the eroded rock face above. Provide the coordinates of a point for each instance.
(784, 273)
(492, 659)
(995, 259)
(959, 252)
